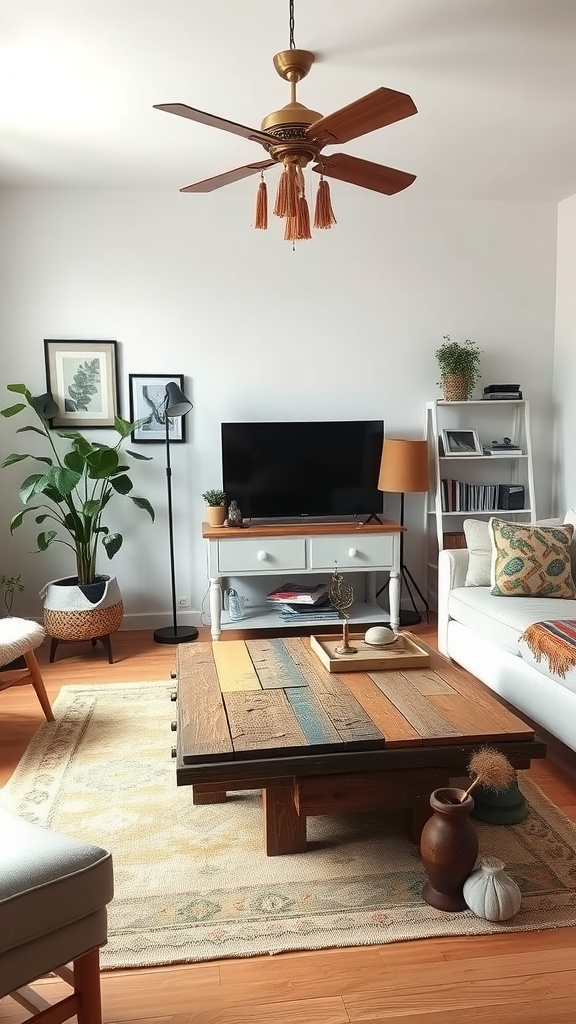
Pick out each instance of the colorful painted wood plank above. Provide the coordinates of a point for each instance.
(274, 666)
(203, 733)
(415, 706)
(353, 724)
(315, 723)
(477, 695)
(261, 722)
(396, 730)
(234, 666)
(427, 681)
(472, 720)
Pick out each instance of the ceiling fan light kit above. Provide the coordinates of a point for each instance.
(295, 136)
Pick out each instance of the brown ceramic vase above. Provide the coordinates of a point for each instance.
(449, 848)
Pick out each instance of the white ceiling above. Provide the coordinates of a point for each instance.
(494, 82)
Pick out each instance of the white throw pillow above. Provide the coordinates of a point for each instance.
(479, 544)
(479, 547)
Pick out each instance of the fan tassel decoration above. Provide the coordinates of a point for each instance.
(287, 196)
(261, 217)
(292, 205)
(323, 212)
(298, 227)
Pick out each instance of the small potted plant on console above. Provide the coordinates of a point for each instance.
(215, 506)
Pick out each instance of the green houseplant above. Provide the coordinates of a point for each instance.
(459, 365)
(10, 585)
(215, 506)
(72, 493)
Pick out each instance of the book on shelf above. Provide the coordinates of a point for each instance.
(316, 612)
(458, 496)
(299, 593)
(501, 396)
(507, 449)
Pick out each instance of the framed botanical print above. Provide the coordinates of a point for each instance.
(82, 377)
(148, 402)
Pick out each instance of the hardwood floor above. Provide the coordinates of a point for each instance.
(525, 978)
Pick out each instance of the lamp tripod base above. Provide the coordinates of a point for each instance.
(180, 635)
(408, 618)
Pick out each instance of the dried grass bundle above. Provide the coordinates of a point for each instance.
(491, 769)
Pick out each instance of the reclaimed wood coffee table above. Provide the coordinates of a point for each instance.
(266, 714)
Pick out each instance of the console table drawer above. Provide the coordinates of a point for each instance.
(264, 554)
(351, 550)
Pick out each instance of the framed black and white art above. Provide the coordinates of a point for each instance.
(82, 377)
(461, 442)
(148, 402)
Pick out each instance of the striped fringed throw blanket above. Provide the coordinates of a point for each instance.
(556, 641)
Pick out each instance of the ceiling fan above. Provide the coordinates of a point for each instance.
(295, 136)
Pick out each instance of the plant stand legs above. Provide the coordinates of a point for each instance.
(106, 642)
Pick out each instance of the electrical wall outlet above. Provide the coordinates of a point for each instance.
(183, 602)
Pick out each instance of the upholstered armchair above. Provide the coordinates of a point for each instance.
(53, 897)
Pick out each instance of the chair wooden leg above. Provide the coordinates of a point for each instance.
(38, 684)
(87, 988)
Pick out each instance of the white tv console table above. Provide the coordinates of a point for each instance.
(303, 549)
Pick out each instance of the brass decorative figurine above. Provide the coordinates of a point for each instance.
(341, 596)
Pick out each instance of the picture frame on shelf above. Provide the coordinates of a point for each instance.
(82, 377)
(461, 442)
(147, 392)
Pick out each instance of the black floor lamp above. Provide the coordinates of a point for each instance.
(404, 469)
(176, 405)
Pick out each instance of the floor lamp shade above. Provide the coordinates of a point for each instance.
(176, 405)
(404, 470)
(404, 466)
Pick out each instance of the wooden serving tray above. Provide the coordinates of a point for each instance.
(405, 652)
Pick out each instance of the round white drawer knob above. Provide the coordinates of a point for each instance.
(262, 556)
(352, 552)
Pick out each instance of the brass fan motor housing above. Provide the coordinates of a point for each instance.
(293, 115)
(288, 125)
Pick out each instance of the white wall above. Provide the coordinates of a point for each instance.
(565, 360)
(346, 326)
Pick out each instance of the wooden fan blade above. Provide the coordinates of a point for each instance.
(364, 173)
(376, 110)
(210, 184)
(214, 122)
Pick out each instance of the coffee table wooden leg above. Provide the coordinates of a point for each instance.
(284, 828)
(419, 815)
(208, 793)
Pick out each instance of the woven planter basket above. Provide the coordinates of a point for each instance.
(70, 615)
(454, 387)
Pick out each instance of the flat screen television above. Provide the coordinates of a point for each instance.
(319, 468)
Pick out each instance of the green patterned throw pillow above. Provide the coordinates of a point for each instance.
(530, 561)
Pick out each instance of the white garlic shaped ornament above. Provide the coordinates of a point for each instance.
(379, 636)
(490, 893)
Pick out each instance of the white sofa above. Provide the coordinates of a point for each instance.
(482, 633)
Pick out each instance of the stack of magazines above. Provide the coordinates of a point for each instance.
(301, 600)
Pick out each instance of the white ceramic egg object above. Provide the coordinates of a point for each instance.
(379, 636)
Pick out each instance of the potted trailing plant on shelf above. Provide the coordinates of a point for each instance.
(215, 506)
(72, 493)
(459, 365)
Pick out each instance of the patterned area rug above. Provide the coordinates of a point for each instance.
(193, 883)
